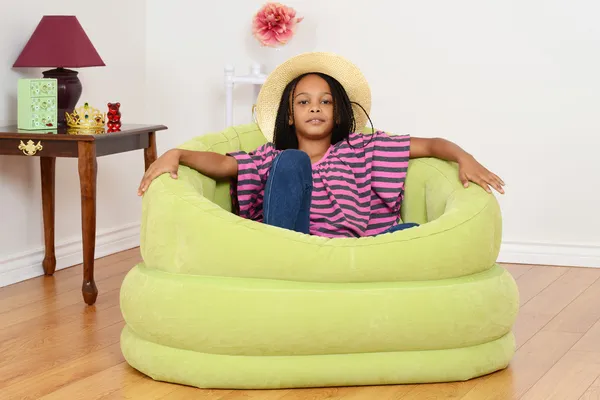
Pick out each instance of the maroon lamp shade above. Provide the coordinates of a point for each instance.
(60, 42)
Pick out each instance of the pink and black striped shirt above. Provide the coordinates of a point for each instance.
(358, 186)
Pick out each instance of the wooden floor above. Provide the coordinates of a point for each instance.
(52, 346)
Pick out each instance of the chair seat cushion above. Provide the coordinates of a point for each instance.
(212, 321)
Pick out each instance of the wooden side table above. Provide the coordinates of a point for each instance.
(63, 142)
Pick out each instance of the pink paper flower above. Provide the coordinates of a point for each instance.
(274, 24)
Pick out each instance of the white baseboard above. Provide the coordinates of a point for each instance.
(550, 254)
(26, 265)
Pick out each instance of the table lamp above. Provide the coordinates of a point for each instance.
(59, 42)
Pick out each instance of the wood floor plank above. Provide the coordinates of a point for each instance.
(255, 394)
(516, 270)
(537, 279)
(590, 341)
(54, 305)
(34, 355)
(61, 321)
(53, 379)
(390, 392)
(541, 309)
(528, 365)
(143, 388)
(97, 386)
(593, 392)
(317, 393)
(568, 379)
(562, 291)
(527, 325)
(190, 393)
(581, 314)
(449, 391)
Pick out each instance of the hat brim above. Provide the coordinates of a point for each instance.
(345, 72)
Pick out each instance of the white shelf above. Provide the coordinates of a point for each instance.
(256, 78)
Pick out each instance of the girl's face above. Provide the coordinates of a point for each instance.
(312, 108)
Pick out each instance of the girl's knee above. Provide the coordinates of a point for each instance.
(294, 155)
(293, 161)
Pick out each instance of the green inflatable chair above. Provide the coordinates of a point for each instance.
(224, 302)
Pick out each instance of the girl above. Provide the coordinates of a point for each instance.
(318, 175)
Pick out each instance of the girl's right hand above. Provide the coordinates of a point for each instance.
(167, 163)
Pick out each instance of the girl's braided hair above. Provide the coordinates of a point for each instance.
(284, 136)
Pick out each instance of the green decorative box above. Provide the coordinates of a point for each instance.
(37, 104)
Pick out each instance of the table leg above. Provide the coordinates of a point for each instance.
(87, 180)
(47, 166)
(150, 151)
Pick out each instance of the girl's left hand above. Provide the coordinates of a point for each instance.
(470, 170)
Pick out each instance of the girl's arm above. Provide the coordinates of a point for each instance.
(213, 165)
(469, 168)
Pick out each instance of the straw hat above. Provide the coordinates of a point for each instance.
(348, 74)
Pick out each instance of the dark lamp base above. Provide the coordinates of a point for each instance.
(69, 91)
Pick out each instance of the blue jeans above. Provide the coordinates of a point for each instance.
(288, 193)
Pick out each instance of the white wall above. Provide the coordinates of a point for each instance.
(119, 38)
(514, 83)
